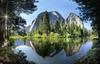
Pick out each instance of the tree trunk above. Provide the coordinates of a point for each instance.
(3, 35)
(3, 61)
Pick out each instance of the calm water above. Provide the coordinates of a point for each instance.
(60, 51)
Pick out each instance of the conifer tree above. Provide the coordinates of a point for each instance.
(46, 23)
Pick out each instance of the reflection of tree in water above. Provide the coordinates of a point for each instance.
(50, 48)
(7, 56)
(73, 46)
(94, 54)
(97, 52)
(46, 48)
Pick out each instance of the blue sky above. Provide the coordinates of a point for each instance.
(64, 7)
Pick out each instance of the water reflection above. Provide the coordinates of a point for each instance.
(52, 47)
(19, 42)
(57, 52)
(59, 58)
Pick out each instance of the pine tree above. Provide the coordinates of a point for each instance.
(9, 13)
(46, 23)
(57, 27)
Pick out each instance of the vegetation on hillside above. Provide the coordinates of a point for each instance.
(61, 29)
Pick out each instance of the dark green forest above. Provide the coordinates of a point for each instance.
(10, 22)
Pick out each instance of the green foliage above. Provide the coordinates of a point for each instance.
(10, 11)
(11, 41)
(54, 35)
(20, 57)
(92, 57)
(36, 35)
(45, 48)
(16, 26)
(90, 11)
(57, 27)
(60, 29)
(51, 46)
(75, 31)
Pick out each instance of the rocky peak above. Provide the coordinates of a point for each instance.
(54, 16)
(75, 19)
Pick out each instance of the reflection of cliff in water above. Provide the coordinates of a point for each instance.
(73, 46)
(50, 48)
(59, 58)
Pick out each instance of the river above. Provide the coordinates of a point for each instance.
(59, 52)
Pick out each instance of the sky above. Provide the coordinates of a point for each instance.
(64, 7)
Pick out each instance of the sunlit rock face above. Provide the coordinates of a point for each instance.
(54, 16)
(74, 19)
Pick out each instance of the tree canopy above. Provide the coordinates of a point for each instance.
(90, 10)
(10, 19)
(10, 14)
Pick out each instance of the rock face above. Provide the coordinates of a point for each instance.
(27, 28)
(54, 16)
(74, 19)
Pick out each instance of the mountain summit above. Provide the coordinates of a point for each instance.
(74, 19)
(54, 16)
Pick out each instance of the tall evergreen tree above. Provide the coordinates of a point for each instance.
(10, 10)
(90, 10)
(9, 20)
(40, 28)
(46, 23)
(57, 27)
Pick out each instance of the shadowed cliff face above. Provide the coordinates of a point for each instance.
(54, 16)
